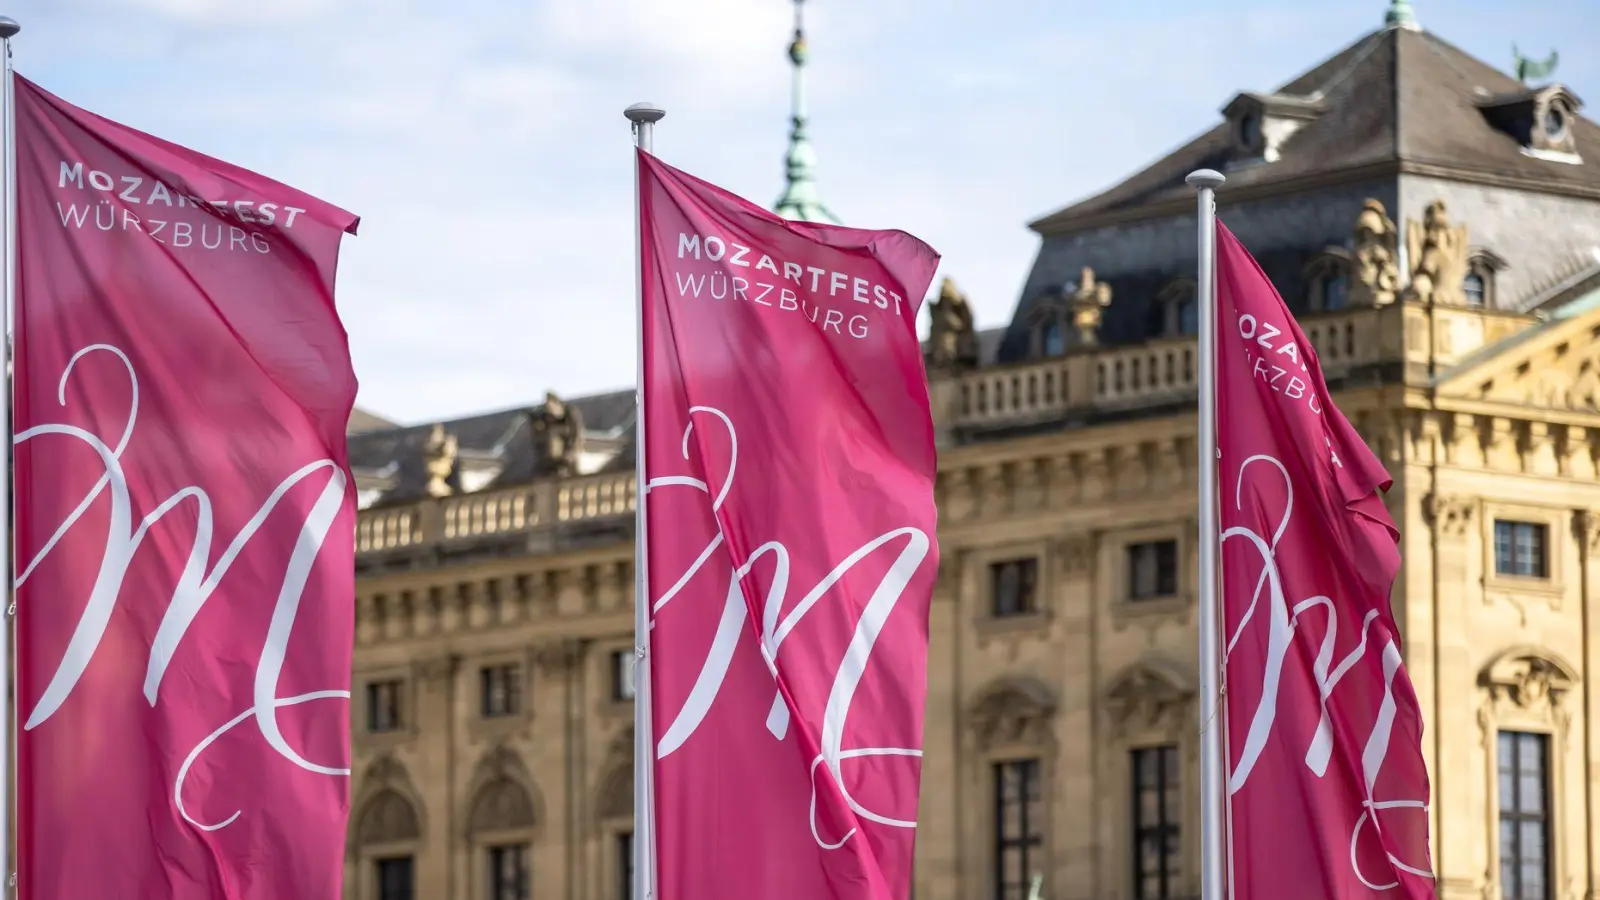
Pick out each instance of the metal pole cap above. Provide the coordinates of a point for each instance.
(1204, 179)
(644, 112)
(8, 28)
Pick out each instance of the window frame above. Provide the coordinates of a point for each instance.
(1169, 824)
(1030, 841)
(1517, 739)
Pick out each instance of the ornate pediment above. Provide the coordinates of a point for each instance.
(1014, 710)
(1529, 678)
(387, 818)
(503, 795)
(1152, 693)
(1556, 367)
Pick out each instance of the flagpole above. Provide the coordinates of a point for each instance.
(1213, 718)
(644, 116)
(8, 160)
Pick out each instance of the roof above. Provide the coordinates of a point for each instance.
(362, 421)
(1394, 99)
(502, 440)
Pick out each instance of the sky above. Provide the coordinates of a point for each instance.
(482, 141)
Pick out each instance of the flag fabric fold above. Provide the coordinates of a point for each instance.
(1328, 792)
(791, 546)
(184, 522)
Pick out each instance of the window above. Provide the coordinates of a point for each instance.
(1474, 288)
(625, 866)
(501, 690)
(1524, 816)
(1335, 292)
(623, 667)
(508, 873)
(1153, 570)
(395, 879)
(1013, 587)
(1018, 818)
(1519, 549)
(1188, 316)
(383, 706)
(1156, 858)
(1053, 341)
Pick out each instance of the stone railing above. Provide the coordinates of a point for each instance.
(1164, 371)
(488, 514)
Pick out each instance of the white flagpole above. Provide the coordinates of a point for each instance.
(8, 159)
(1213, 719)
(644, 116)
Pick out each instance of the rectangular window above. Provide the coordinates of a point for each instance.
(508, 873)
(1519, 549)
(1156, 795)
(501, 690)
(1014, 587)
(1152, 570)
(383, 706)
(622, 677)
(396, 879)
(625, 866)
(1524, 816)
(1018, 827)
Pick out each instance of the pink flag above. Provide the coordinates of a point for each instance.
(1329, 795)
(791, 546)
(185, 522)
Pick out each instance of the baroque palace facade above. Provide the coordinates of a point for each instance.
(1434, 222)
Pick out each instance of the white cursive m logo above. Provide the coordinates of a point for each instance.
(773, 633)
(194, 585)
(1280, 632)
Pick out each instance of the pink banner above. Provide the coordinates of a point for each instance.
(185, 522)
(1329, 794)
(792, 550)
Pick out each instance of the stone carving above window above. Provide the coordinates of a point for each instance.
(1530, 679)
(388, 818)
(503, 796)
(1152, 694)
(1014, 710)
(385, 812)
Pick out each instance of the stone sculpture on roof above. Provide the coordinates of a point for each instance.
(1377, 246)
(952, 334)
(1086, 300)
(558, 436)
(440, 454)
(1438, 252)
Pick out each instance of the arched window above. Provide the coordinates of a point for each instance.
(1477, 286)
(1328, 280)
(1178, 308)
(1052, 338)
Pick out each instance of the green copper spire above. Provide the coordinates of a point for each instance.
(801, 200)
(1400, 15)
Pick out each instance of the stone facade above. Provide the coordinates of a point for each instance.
(492, 711)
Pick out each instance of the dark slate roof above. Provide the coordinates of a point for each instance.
(362, 421)
(503, 435)
(1134, 301)
(1395, 96)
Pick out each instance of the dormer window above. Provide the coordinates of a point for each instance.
(1328, 281)
(1175, 311)
(1477, 287)
(1539, 119)
(1263, 123)
(1048, 326)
